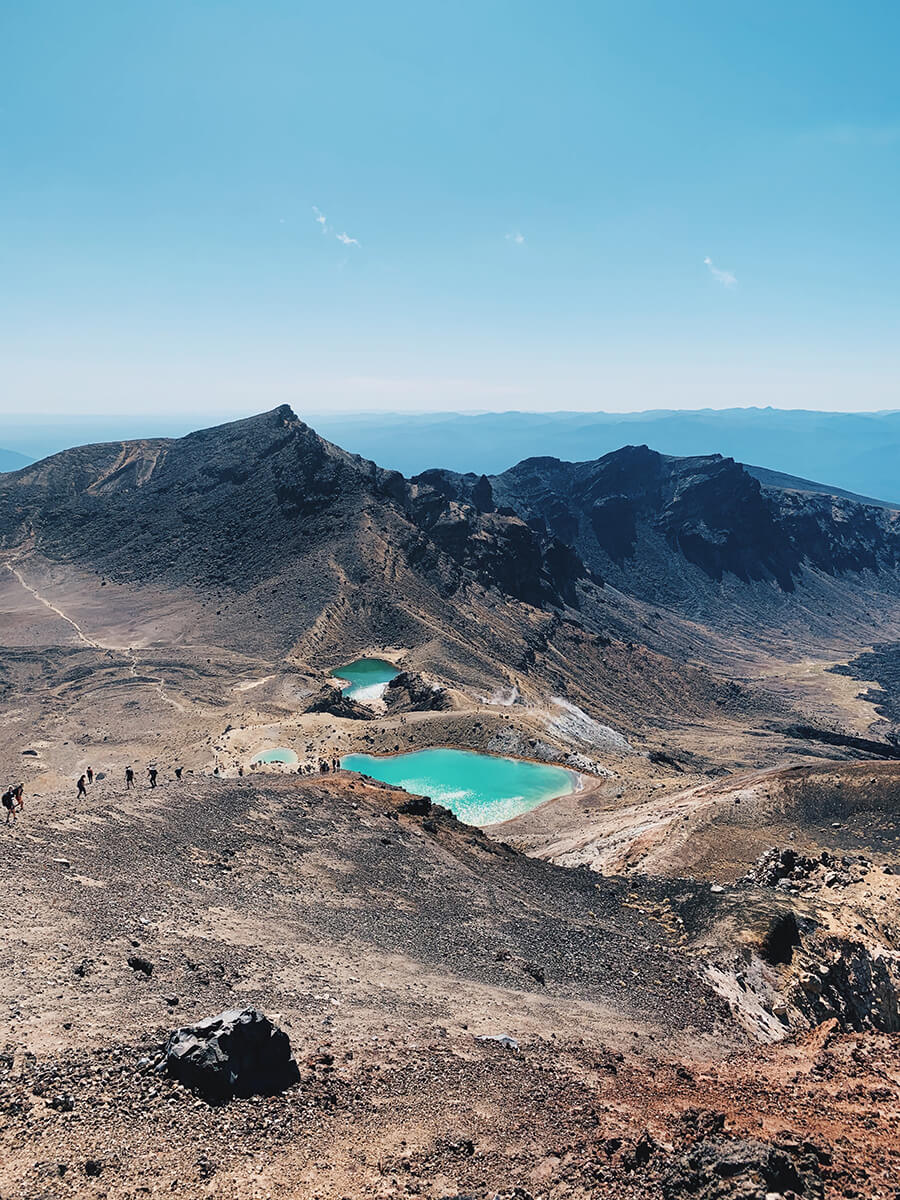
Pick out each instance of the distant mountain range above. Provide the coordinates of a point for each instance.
(856, 452)
(852, 452)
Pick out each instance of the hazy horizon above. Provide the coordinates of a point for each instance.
(851, 451)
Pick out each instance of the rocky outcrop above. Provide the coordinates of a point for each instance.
(409, 692)
(716, 1168)
(332, 700)
(792, 872)
(237, 1053)
(497, 546)
(710, 512)
(831, 738)
(856, 985)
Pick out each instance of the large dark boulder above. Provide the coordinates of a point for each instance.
(237, 1053)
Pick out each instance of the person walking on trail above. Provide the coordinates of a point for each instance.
(152, 773)
(7, 800)
(178, 771)
(90, 774)
(129, 778)
(82, 787)
(18, 796)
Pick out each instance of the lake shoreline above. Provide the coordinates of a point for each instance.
(480, 788)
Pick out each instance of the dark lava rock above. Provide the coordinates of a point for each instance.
(144, 965)
(237, 1053)
(416, 806)
(535, 972)
(774, 865)
(498, 547)
(463, 1146)
(640, 1155)
(713, 513)
(723, 1167)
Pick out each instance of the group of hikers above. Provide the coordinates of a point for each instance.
(13, 796)
(325, 765)
(152, 775)
(13, 801)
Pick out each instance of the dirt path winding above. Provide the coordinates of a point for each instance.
(158, 685)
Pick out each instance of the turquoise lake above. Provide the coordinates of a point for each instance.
(279, 755)
(366, 678)
(479, 788)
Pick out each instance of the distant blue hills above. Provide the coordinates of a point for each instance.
(856, 452)
(11, 460)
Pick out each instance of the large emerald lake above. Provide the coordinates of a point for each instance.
(479, 788)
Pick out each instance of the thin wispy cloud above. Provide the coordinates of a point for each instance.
(322, 221)
(724, 277)
(516, 237)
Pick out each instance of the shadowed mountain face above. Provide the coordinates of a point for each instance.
(240, 503)
(708, 510)
(706, 513)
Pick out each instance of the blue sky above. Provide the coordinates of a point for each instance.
(533, 191)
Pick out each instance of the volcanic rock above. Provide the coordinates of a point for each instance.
(333, 701)
(409, 692)
(661, 527)
(240, 1052)
(723, 1167)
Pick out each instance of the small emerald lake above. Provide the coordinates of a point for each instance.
(365, 678)
(279, 755)
(478, 788)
